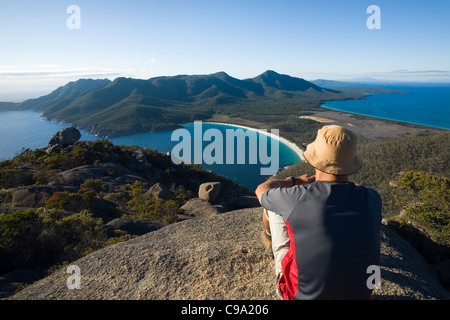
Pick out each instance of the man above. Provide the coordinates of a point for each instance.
(323, 231)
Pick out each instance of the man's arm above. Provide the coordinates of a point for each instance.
(288, 183)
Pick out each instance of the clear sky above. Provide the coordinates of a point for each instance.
(142, 39)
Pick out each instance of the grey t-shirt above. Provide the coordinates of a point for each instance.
(336, 233)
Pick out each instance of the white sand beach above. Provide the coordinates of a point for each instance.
(288, 143)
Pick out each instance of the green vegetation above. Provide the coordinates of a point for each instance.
(425, 217)
(14, 177)
(71, 221)
(39, 238)
(150, 208)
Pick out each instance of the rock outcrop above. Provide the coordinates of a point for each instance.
(209, 191)
(216, 257)
(197, 208)
(132, 226)
(32, 196)
(63, 139)
(159, 191)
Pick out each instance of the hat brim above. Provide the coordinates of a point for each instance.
(324, 165)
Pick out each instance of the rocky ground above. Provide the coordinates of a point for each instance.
(216, 257)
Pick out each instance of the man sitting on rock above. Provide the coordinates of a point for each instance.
(323, 230)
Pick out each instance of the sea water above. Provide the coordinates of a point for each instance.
(248, 175)
(424, 104)
(20, 130)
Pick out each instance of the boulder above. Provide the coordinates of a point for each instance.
(139, 160)
(65, 137)
(131, 226)
(32, 196)
(112, 174)
(199, 208)
(54, 148)
(158, 191)
(209, 191)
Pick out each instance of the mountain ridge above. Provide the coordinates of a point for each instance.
(126, 106)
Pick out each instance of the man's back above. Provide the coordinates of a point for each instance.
(335, 236)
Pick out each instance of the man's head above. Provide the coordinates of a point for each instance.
(334, 151)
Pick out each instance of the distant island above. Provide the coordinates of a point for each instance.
(128, 106)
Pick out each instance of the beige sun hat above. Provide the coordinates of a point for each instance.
(334, 151)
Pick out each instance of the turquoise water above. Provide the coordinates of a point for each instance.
(248, 175)
(20, 130)
(425, 105)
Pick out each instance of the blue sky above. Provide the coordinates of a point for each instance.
(143, 39)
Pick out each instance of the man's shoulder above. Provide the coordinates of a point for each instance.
(370, 191)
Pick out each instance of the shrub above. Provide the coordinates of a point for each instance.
(88, 197)
(76, 235)
(63, 200)
(117, 197)
(82, 153)
(121, 236)
(11, 178)
(43, 177)
(35, 239)
(150, 208)
(425, 199)
(84, 199)
(14, 225)
(18, 233)
(6, 196)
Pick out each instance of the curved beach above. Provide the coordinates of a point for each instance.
(288, 143)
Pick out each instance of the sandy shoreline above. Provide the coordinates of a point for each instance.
(369, 127)
(288, 143)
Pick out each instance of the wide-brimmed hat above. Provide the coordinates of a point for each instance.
(334, 151)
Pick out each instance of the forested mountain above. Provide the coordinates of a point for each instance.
(62, 96)
(125, 105)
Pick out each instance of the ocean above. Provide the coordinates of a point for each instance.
(20, 130)
(424, 104)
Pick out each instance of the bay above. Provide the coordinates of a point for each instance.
(20, 130)
(425, 104)
(248, 175)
